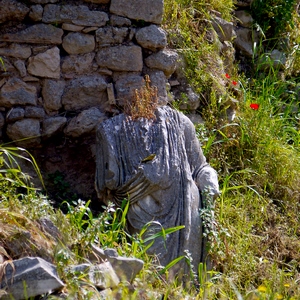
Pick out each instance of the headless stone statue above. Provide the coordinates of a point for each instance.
(159, 166)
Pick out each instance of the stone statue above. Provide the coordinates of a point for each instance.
(159, 166)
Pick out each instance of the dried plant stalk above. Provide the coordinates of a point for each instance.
(144, 102)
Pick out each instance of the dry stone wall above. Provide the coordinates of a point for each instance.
(68, 65)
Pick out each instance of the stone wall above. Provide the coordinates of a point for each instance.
(68, 65)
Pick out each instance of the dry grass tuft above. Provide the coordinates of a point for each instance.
(144, 102)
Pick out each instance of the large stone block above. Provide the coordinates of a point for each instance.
(46, 64)
(121, 58)
(35, 34)
(151, 37)
(29, 277)
(78, 43)
(164, 60)
(85, 122)
(12, 10)
(16, 50)
(52, 92)
(148, 11)
(26, 132)
(85, 92)
(77, 15)
(16, 92)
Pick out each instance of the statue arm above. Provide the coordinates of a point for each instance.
(204, 175)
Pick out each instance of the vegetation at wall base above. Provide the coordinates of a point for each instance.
(255, 245)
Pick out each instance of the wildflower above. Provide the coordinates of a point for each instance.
(234, 82)
(262, 289)
(254, 106)
(227, 75)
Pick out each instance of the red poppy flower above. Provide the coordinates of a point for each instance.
(227, 75)
(254, 106)
(234, 82)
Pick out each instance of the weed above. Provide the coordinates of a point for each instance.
(144, 102)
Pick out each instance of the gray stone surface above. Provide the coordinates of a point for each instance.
(53, 125)
(26, 132)
(45, 64)
(108, 35)
(102, 275)
(244, 41)
(244, 18)
(52, 92)
(149, 11)
(121, 58)
(17, 92)
(20, 66)
(34, 112)
(85, 92)
(35, 34)
(33, 273)
(151, 37)
(15, 114)
(78, 64)
(16, 50)
(224, 29)
(78, 43)
(77, 15)
(125, 267)
(36, 12)
(157, 188)
(164, 60)
(125, 85)
(85, 122)
(12, 10)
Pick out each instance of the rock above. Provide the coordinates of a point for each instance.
(118, 21)
(243, 41)
(224, 29)
(125, 85)
(47, 226)
(125, 267)
(196, 119)
(85, 122)
(25, 133)
(276, 59)
(20, 66)
(52, 92)
(85, 92)
(15, 114)
(53, 125)
(159, 80)
(108, 35)
(72, 27)
(34, 112)
(16, 92)
(192, 102)
(244, 3)
(36, 12)
(148, 11)
(44, 1)
(16, 50)
(2, 120)
(151, 37)
(102, 275)
(77, 15)
(45, 64)
(12, 10)
(164, 60)
(29, 277)
(35, 34)
(78, 43)
(121, 58)
(78, 64)
(98, 1)
(244, 18)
